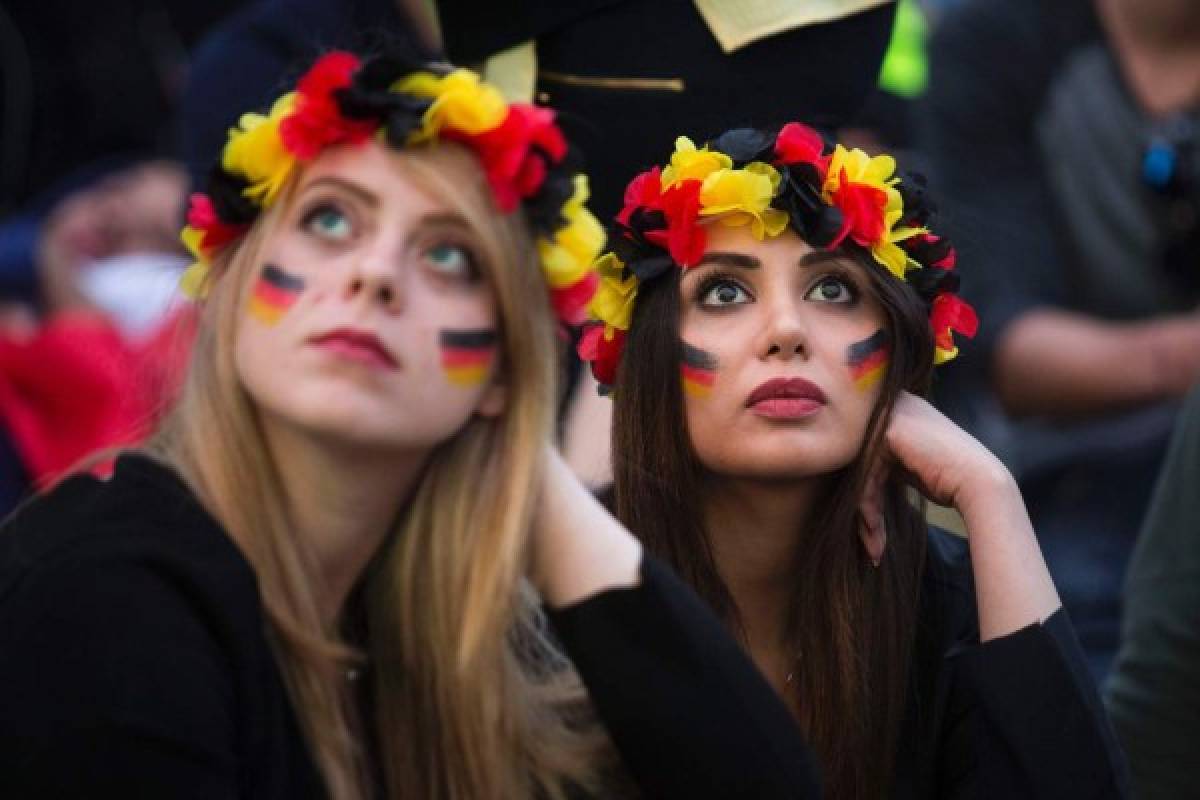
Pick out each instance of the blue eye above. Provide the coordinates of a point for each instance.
(451, 260)
(328, 222)
(831, 289)
(723, 293)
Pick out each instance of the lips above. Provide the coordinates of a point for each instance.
(786, 398)
(355, 345)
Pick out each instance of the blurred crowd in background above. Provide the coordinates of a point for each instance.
(1062, 138)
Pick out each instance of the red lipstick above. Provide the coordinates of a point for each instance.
(355, 345)
(786, 398)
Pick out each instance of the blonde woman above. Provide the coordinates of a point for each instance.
(319, 578)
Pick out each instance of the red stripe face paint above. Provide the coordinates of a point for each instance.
(274, 293)
(868, 359)
(467, 356)
(698, 371)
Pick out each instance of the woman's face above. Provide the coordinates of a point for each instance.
(369, 320)
(784, 347)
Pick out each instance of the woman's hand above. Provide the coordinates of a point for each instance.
(1013, 586)
(944, 462)
(578, 548)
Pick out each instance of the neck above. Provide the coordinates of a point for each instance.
(342, 500)
(756, 530)
(1158, 50)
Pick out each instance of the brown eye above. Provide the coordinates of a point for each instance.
(723, 293)
(831, 290)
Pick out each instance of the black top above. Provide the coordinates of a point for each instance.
(1017, 716)
(134, 663)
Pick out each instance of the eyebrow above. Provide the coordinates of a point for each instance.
(820, 257)
(444, 218)
(740, 260)
(349, 186)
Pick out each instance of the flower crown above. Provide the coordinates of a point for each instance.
(832, 197)
(342, 100)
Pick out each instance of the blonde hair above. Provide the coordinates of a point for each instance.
(472, 698)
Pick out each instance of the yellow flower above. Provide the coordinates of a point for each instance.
(859, 167)
(256, 152)
(568, 256)
(194, 281)
(941, 356)
(460, 101)
(688, 163)
(191, 238)
(743, 196)
(889, 254)
(615, 296)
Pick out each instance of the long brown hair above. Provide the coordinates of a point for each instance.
(471, 697)
(852, 624)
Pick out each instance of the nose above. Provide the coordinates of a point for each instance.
(374, 280)
(786, 333)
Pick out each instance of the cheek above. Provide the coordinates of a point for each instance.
(867, 360)
(698, 371)
(274, 292)
(467, 356)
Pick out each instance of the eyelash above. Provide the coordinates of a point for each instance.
(474, 273)
(318, 207)
(841, 277)
(716, 279)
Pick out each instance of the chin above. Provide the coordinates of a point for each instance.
(777, 460)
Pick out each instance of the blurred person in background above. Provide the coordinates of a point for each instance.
(1065, 139)
(90, 201)
(1153, 694)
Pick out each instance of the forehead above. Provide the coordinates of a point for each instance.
(786, 249)
(390, 177)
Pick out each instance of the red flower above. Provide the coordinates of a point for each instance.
(514, 153)
(215, 233)
(645, 190)
(317, 121)
(862, 207)
(951, 313)
(603, 354)
(570, 302)
(685, 240)
(797, 144)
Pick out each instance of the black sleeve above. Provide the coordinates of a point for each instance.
(112, 687)
(1026, 711)
(1154, 690)
(689, 713)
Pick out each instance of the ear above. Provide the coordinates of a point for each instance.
(493, 400)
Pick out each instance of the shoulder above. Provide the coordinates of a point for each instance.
(125, 556)
(124, 612)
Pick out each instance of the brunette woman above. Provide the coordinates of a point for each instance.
(769, 320)
(318, 580)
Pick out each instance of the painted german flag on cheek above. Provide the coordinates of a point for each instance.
(868, 359)
(467, 356)
(274, 293)
(698, 370)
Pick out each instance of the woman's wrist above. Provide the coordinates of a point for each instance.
(988, 487)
